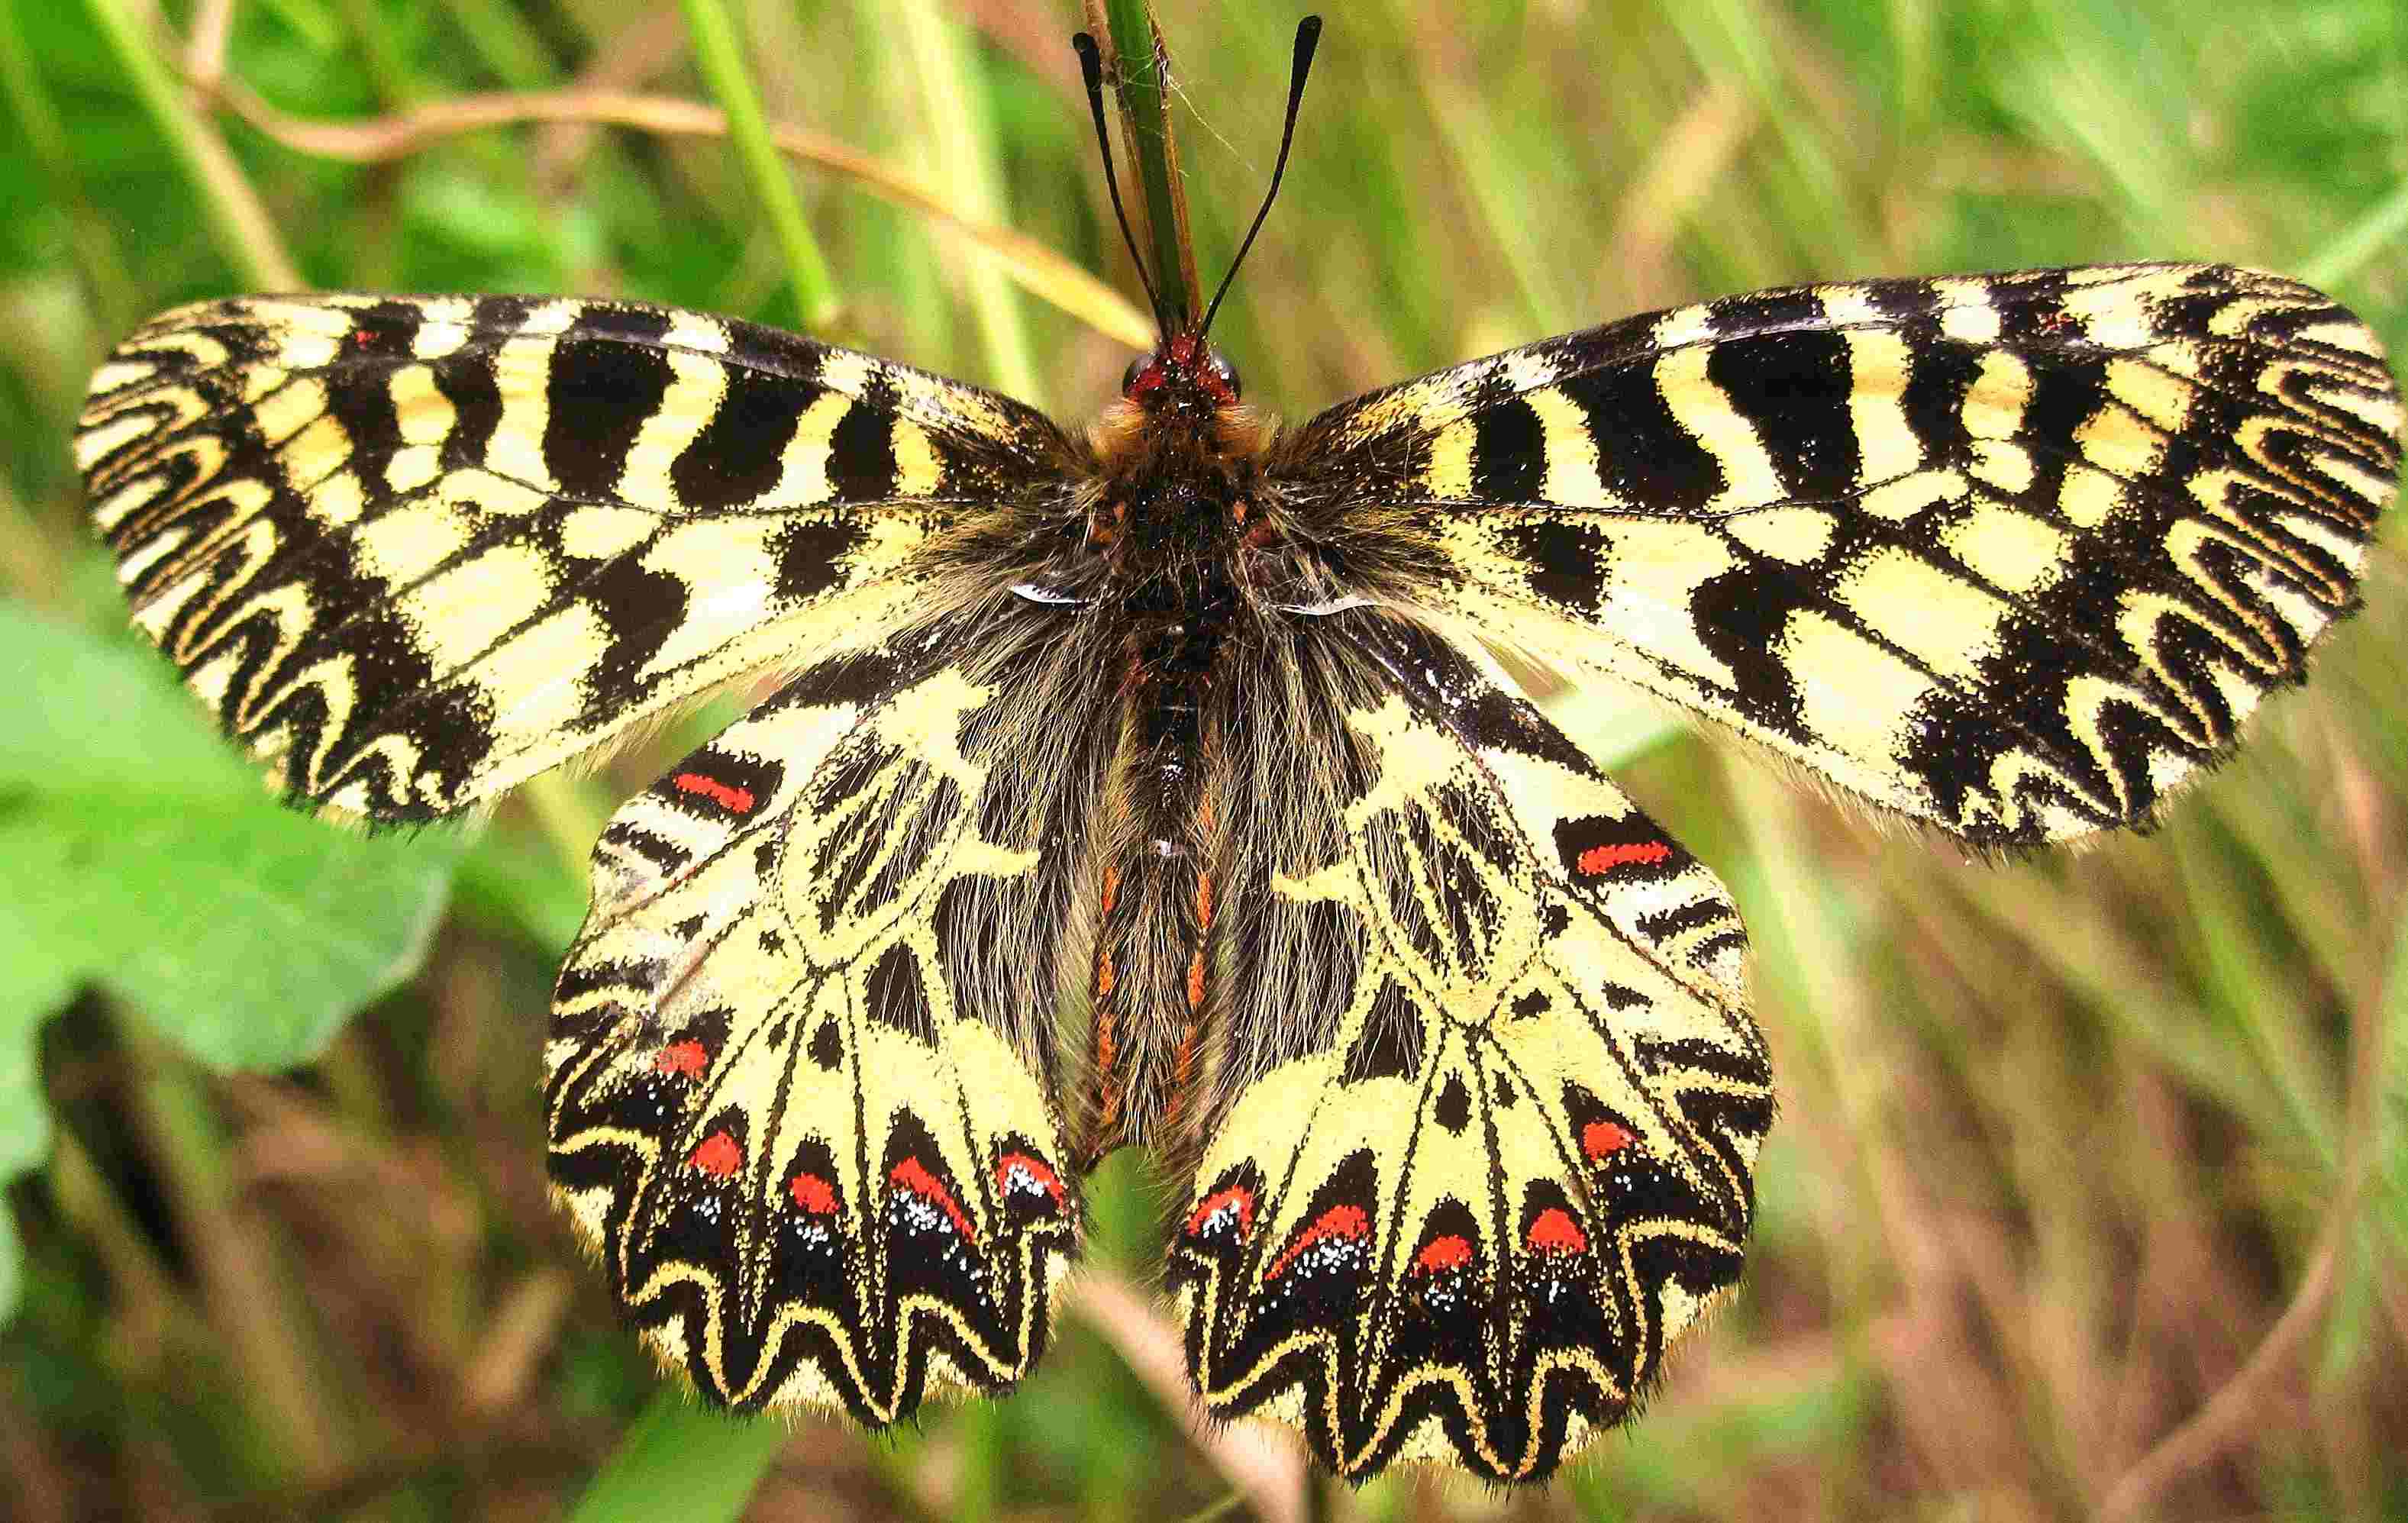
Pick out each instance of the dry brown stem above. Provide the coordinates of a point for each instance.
(379, 140)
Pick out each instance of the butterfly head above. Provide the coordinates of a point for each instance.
(1179, 400)
(1183, 377)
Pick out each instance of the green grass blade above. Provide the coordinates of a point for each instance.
(245, 231)
(1145, 107)
(955, 102)
(682, 1462)
(722, 62)
(2380, 227)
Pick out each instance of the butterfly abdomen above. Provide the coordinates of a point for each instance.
(1151, 966)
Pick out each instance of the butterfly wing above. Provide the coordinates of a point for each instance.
(802, 1073)
(415, 550)
(2012, 554)
(1488, 1095)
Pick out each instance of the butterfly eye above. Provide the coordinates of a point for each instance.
(1135, 367)
(1222, 367)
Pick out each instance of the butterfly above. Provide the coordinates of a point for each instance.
(1167, 783)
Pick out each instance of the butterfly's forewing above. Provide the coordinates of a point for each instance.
(1464, 1187)
(2013, 554)
(414, 550)
(802, 1092)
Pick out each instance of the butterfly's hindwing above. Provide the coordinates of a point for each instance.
(1464, 1220)
(414, 550)
(802, 1089)
(2013, 554)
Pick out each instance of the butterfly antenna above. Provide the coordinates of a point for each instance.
(1090, 64)
(1307, 36)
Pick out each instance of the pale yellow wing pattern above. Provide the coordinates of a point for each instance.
(414, 550)
(1487, 1094)
(2013, 554)
(801, 1088)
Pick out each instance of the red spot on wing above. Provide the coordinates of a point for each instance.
(1599, 1138)
(1556, 1233)
(914, 1175)
(1030, 1167)
(1341, 1222)
(717, 1156)
(727, 796)
(688, 1058)
(1624, 854)
(812, 1194)
(1446, 1253)
(1212, 1205)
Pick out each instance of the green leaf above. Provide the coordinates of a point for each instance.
(682, 1461)
(145, 858)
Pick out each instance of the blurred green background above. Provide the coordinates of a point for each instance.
(2091, 1184)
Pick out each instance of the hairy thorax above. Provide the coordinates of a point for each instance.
(1180, 487)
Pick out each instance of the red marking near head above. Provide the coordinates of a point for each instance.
(812, 1194)
(688, 1058)
(717, 1156)
(1215, 386)
(1599, 1138)
(1032, 1167)
(726, 796)
(1446, 1253)
(1337, 1222)
(1212, 1205)
(1556, 1233)
(1183, 357)
(1598, 859)
(913, 1176)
